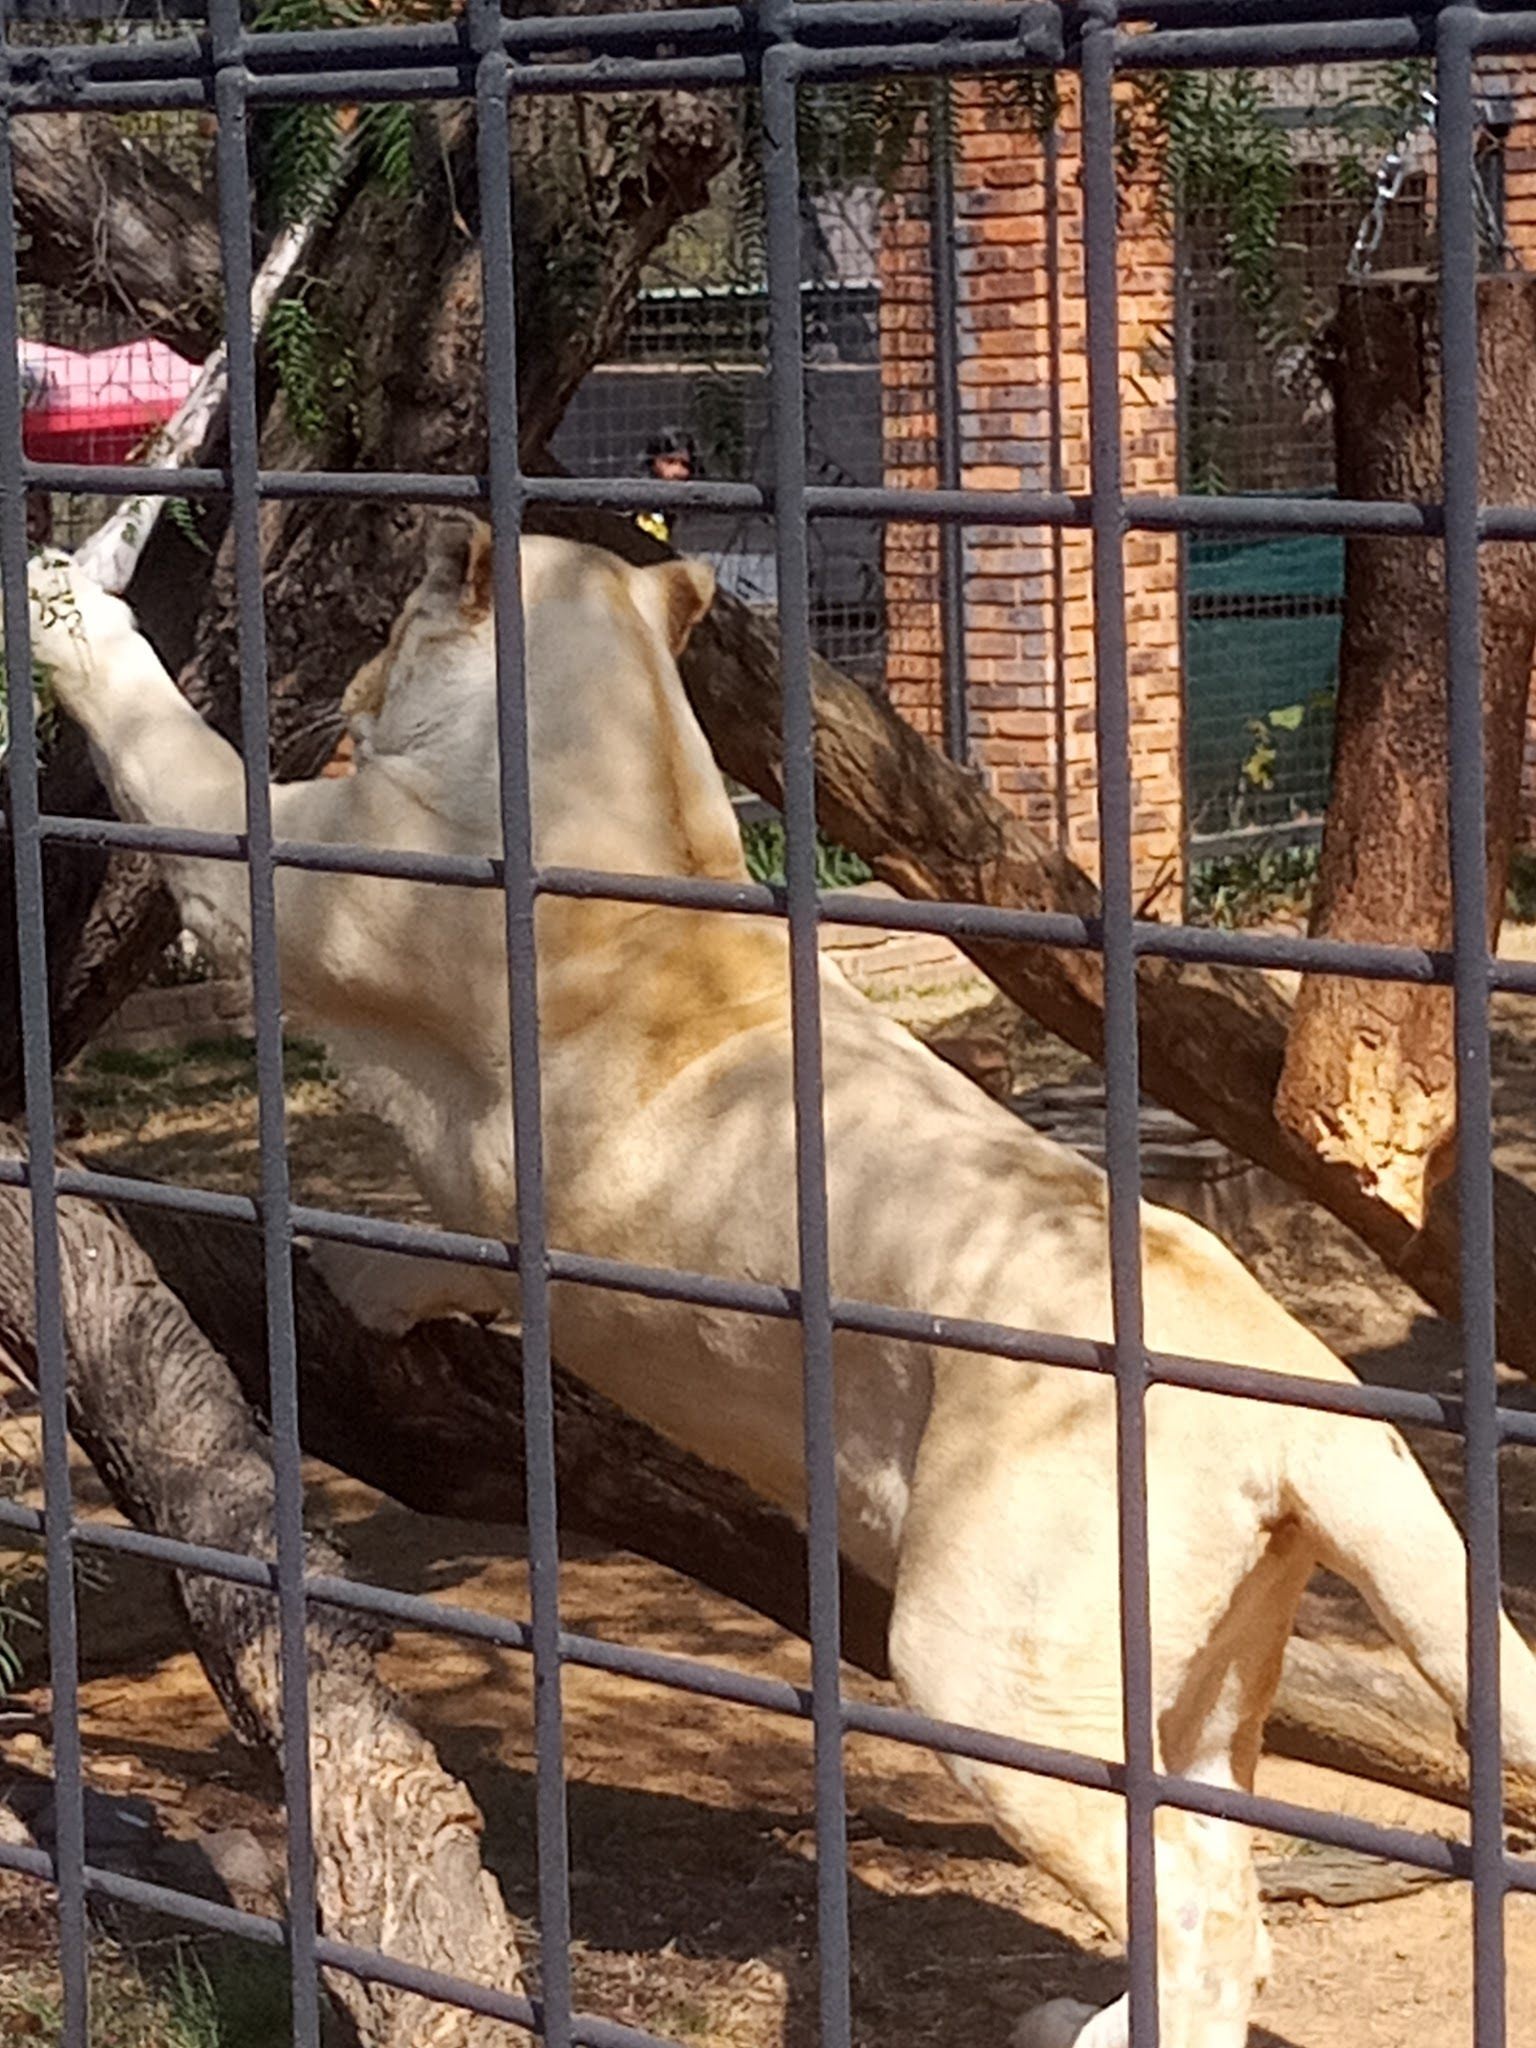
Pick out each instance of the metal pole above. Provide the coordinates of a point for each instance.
(781, 189)
(1051, 145)
(946, 378)
(1122, 1131)
(1455, 140)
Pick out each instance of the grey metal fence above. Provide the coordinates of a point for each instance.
(775, 49)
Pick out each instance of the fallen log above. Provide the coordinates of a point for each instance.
(397, 1839)
(436, 1421)
(109, 222)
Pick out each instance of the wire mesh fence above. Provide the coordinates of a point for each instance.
(687, 396)
(1355, 198)
(742, 415)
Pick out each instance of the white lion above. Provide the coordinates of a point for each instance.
(981, 1491)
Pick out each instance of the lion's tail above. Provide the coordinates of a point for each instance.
(1377, 1522)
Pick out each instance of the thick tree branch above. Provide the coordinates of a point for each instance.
(436, 1420)
(112, 226)
(397, 1840)
(1370, 1072)
(1212, 1038)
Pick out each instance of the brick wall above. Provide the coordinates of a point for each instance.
(162, 1019)
(1023, 377)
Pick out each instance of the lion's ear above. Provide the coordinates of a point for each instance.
(674, 596)
(459, 563)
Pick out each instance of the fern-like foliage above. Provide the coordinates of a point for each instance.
(300, 152)
(301, 164)
(316, 369)
(299, 177)
(183, 517)
(846, 135)
(386, 142)
(302, 146)
(763, 846)
(1221, 149)
(45, 706)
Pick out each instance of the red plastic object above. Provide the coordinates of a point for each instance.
(101, 407)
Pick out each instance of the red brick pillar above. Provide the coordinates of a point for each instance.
(911, 446)
(1029, 618)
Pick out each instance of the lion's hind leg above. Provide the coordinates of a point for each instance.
(1006, 1619)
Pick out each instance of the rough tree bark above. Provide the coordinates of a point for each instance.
(402, 302)
(112, 225)
(168, 1429)
(1369, 1076)
(436, 1420)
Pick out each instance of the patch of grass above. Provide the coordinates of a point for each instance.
(124, 1063)
(836, 867)
(1520, 904)
(120, 1080)
(177, 1994)
(231, 1995)
(22, 1575)
(1253, 887)
(1277, 881)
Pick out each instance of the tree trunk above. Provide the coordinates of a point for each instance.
(401, 308)
(404, 302)
(112, 226)
(436, 1420)
(1369, 1074)
(397, 1840)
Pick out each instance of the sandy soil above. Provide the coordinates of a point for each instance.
(692, 1851)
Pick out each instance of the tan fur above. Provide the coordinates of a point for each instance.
(980, 1489)
(690, 993)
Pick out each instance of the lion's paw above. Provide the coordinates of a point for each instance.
(392, 1292)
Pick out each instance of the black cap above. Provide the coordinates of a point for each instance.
(670, 441)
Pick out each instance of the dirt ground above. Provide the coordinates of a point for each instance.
(693, 1876)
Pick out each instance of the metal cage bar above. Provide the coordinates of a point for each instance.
(1164, 512)
(781, 183)
(775, 46)
(494, 160)
(947, 414)
(1364, 960)
(231, 80)
(1122, 1138)
(1455, 141)
(58, 1528)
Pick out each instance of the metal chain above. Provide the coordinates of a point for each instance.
(1389, 185)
